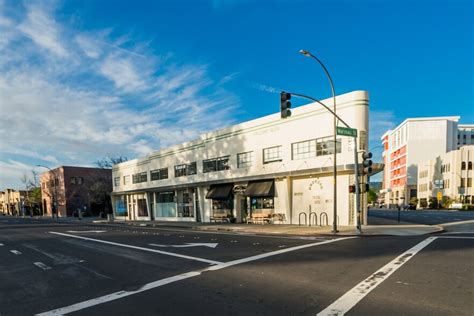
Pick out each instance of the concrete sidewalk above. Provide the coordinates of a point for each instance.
(290, 230)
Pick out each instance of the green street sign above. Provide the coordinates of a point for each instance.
(345, 131)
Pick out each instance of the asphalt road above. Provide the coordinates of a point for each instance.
(52, 268)
(426, 217)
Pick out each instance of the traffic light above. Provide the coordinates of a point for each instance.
(285, 104)
(367, 162)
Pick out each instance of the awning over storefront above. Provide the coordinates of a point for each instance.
(261, 188)
(220, 191)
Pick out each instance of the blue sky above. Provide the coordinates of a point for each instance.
(83, 79)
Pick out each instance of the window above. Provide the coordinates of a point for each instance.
(325, 146)
(463, 180)
(56, 181)
(463, 165)
(159, 174)
(139, 177)
(302, 150)
(117, 181)
(244, 160)
(73, 180)
(259, 203)
(80, 180)
(126, 180)
(469, 182)
(185, 169)
(272, 154)
(216, 164)
(469, 165)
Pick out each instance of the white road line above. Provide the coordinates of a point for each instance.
(457, 237)
(41, 265)
(139, 248)
(1, 245)
(343, 304)
(16, 252)
(176, 278)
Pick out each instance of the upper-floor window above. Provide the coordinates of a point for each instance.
(139, 177)
(117, 181)
(216, 164)
(305, 149)
(325, 146)
(76, 180)
(463, 165)
(73, 180)
(159, 174)
(469, 165)
(185, 169)
(126, 180)
(272, 154)
(244, 160)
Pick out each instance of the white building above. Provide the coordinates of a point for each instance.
(415, 141)
(268, 166)
(450, 173)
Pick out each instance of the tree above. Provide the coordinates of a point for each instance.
(108, 161)
(33, 191)
(371, 196)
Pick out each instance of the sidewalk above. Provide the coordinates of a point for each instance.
(291, 230)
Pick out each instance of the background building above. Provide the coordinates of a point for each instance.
(264, 166)
(12, 201)
(67, 189)
(451, 174)
(415, 141)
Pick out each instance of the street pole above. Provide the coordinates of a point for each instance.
(334, 224)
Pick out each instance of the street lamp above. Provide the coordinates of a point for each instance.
(55, 193)
(334, 223)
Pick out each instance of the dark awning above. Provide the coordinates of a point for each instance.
(260, 188)
(220, 191)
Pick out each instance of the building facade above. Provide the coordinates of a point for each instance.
(264, 166)
(449, 175)
(412, 143)
(66, 189)
(12, 201)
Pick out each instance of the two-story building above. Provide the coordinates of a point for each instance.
(268, 165)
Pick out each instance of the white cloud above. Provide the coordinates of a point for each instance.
(43, 30)
(103, 99)
(379, 123)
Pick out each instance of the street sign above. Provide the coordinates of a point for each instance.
(346, 131)
(439, 196)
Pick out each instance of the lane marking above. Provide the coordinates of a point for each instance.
(152, 285)
(86, 231)
(347, 301)
(41, 265)
(457, 237)
(16, 252)
(189, 244)
(1, 245)
(139, 248)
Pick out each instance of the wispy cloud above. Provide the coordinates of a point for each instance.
(70, 96)
(264, 88)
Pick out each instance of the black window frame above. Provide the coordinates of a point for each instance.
(140, 177)
(216, 164)
(159, 174)
(183, 170)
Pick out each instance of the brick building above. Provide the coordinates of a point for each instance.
(68, 189)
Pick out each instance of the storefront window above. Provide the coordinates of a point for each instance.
(165, 204)
(121, 206)
(260, 203)
(185, 203)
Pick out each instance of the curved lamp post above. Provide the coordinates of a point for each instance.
(308, 54)
(55, 195)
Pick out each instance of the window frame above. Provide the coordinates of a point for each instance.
(271, 159)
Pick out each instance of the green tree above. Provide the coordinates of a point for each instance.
(371, 196)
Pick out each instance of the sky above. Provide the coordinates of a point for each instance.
(81, 80)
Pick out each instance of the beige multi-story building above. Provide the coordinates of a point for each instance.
(450, 175)
(268, 166)
(12, 201)
(415, 141)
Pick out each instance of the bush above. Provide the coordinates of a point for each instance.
(446, 202)
(423, 203)
(468, 207)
